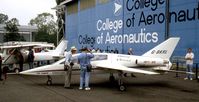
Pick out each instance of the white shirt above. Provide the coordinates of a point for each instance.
(190, 57)
(68, 56)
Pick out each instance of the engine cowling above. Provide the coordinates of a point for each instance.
(151, 62)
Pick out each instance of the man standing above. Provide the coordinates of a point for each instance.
(0, 68)
(68, 66)
(84, 61)
(189, 63)
(130, 51)
(20, 59)
(30, 58)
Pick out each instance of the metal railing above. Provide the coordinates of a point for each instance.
(180, 63)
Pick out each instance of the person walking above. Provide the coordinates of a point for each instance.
(84, 60)
(68, 66)
(189, 63)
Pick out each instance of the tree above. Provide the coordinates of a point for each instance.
(3, 18)
(12, 31)
(46, 27)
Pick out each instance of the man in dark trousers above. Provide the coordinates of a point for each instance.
(20, 59)
(0, 68)
(30, 58)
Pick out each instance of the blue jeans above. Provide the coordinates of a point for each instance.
(84, 77)
(189, 69)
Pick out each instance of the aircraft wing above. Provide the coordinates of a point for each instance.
(17, 46)
(176, 71)
(123, 68)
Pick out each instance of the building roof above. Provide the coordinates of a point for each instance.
(22, 28)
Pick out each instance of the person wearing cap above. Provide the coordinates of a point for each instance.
(84, 60)
(68, 66)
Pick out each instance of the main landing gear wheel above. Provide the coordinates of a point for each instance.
(122, 87)
(49, 81)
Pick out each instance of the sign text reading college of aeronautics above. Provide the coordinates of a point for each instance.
(108, 28)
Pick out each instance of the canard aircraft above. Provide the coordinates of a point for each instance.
(155, 61)
(10, 54)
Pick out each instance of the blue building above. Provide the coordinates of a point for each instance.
(137, 24)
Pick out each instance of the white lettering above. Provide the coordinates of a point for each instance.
(109, 25)
(141, 37)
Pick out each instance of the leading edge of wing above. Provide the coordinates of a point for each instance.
(123, 68)
(18, 46)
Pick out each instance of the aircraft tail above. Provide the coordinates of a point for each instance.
(61, 48)
(163, 50)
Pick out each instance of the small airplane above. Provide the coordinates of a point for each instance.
(155, 61)
(10, 53)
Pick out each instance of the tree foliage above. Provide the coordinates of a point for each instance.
(12, 31)
(46, 27)
(3, 18)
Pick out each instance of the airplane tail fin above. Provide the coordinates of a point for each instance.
(61, 48)
(163, 50)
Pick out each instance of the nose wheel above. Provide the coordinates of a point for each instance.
(49, 81)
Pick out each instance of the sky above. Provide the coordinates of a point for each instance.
(25, 10)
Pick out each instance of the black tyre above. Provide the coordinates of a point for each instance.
(49, 82)
(122, 88)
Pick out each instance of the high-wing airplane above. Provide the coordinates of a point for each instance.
(155, 61)
(10, 54)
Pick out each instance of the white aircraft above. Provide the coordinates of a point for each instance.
(155, 61)
(52, 54)
(10, 53)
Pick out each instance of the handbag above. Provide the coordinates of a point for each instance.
(89, 67)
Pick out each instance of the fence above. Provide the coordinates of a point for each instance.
(180, 63)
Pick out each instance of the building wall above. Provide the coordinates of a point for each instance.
(24, 30)
(121, 24)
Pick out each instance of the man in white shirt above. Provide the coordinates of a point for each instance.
(68, 66)
(189, 63)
